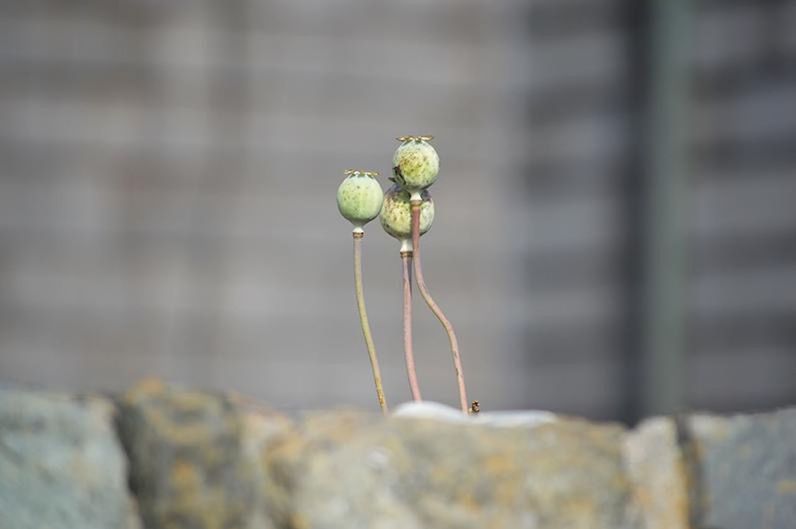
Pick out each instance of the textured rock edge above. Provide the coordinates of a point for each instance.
(83, 450)
(661, 456)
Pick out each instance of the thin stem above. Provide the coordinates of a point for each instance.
(421, 284)
(414, 386)
(363, 320)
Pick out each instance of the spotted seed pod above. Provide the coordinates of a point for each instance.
(415, 163)
(360, 197)
(396, 214)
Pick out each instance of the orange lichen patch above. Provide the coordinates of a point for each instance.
(184, 476)
(297, 521)
(499, 464)
(192, 401)
(181, 433)
(644, 498)
(287, 447)
(148, 385)
(786, 486)
(580, 511)
(439, 475)
(209, 509)
(468, 501)
(339, 427)
(506, 492)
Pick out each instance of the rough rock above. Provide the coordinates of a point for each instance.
(746, 470)
(195, 457)
(201, 460)
(655, 466)
(354, 471)
(61, 465)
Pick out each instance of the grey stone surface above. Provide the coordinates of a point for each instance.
(747, 470)
(655, 467)
(200, 460)
(195, 457)
(61, 466)
(354, 471)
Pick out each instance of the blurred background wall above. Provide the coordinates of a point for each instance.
(169, 169)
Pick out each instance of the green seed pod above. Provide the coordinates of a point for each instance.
(360, 197)
(415, 163)
(396, 214)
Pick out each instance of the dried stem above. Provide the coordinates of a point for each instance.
(414, 386)
(421, 284)
(363, 320)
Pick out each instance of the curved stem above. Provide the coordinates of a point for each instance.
(421, 285)
(414, 386)
(363, 320)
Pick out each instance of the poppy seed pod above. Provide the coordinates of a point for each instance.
(360, 197)
(415, 163)
(396, 214)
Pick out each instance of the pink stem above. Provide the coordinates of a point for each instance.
(414, 386)
(421, 284)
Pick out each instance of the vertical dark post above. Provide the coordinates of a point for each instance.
(664, 161)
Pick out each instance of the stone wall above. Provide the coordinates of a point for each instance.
(164, 457)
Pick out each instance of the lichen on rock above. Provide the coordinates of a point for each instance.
(195, 457)
(203, 460)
